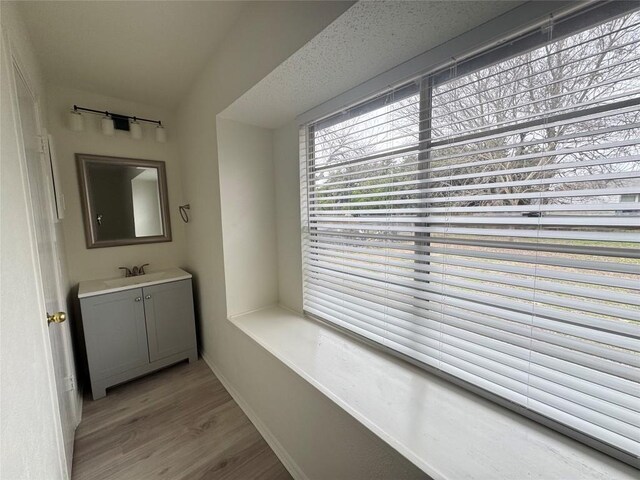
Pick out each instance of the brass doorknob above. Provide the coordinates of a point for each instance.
(57, 317)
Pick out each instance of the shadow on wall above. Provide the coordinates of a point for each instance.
(77, 338)
(196, 309)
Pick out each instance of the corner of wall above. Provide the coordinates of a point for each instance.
(247, 199)
(288, 227)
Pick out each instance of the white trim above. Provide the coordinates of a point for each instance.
(286, 459)
(56, 177)
(253, 310)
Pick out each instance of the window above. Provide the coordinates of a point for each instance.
(483, 221)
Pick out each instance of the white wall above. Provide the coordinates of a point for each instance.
(84, 263)
(286, 156)
(30, 431)
(247, 200)
(147, 210)
(322, 439)
(242, 60)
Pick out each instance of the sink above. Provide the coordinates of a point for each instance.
(90, 288)
(126, 281)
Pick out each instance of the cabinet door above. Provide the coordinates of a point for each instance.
(114, 332)
(170, 320)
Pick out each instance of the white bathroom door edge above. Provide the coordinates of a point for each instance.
(35, 164)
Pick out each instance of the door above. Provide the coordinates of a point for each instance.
(40, 190)
(115, 335)
(170, 320)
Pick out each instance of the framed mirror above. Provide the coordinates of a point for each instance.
(124, 200)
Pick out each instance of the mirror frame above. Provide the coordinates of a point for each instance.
(88, 214)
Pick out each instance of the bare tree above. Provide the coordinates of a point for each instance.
(565, 76)
(496, 131)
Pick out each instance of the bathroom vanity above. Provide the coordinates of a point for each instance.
(135, 325)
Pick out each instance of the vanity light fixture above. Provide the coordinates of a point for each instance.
(110, 122)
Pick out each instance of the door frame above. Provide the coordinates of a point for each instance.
(17, 68)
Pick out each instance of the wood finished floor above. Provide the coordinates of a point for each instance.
(179, 423)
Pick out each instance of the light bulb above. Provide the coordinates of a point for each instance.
(76, 121)
(161, 134)
(135, 129)
(107, 126)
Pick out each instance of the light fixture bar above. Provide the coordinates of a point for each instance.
(108, 114)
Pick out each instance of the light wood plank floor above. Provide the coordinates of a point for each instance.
(179, 423)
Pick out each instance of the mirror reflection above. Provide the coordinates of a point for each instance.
(125, 201)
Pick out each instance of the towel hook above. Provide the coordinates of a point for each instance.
(183, 212)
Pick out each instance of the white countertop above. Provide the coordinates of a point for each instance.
(445, 430)
(91, 288)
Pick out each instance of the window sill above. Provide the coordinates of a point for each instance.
(446, 431)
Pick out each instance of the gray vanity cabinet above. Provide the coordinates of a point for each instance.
(115, 332)
(136, 331)
(170, 322)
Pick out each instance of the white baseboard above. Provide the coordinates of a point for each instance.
(293, 468)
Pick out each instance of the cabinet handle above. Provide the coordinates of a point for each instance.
(147, 297)
(138, 299)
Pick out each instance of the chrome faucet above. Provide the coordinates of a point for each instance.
(127, 271)
(135, 271)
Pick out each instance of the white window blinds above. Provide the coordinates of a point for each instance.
(484, 221)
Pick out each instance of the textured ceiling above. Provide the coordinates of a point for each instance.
(146, 51)
(368, 39)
